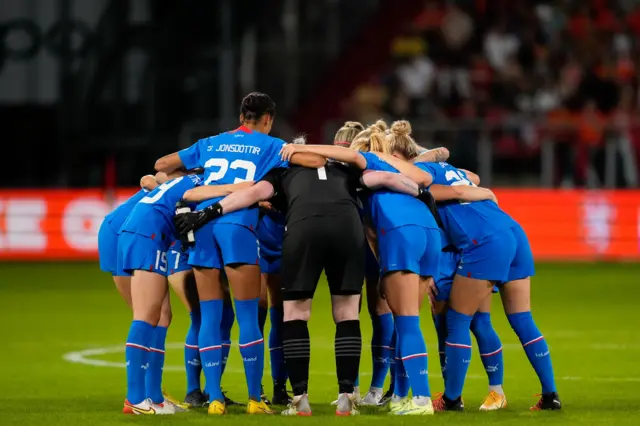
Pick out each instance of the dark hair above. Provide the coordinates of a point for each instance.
(255, 105)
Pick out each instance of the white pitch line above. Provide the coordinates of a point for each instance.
(83, 357)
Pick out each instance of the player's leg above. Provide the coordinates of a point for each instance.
(516, 300)
(344, 266)
(302, 264)
(401, 255)
(148, 290)
(263, 311)
(239, 247)
(276, 354)
(382, 322)
(123, 285)
(145, 259)
(206, 261)
(489, 259)
(153, 378)
(228, 318)
(490, 348)
(183, 284)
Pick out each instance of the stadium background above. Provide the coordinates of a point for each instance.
(539, 97)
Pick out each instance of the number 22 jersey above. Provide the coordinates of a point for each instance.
(233, 157)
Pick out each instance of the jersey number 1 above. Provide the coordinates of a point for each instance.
(322, 173)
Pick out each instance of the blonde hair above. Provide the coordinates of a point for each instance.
(399, 140)
(363, 140)
(347, 133)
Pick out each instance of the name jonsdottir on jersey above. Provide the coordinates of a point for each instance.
(242, 149)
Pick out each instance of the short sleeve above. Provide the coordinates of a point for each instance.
(427, 167)
(372, 161)
(274, 177)
(190, 157)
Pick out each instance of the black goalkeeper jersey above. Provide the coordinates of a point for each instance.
(326, 191)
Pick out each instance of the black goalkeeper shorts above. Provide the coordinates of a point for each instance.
(333, 243)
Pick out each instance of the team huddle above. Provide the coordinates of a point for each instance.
(249, 216)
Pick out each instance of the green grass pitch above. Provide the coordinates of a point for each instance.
(588, 313)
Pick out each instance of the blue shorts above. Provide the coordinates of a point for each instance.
(177, 259)
(108, 248)
(410, 248)
(138, 252)
(223, 244)
(270, 264)
(500, 257)
(522, 264)
(448, 268)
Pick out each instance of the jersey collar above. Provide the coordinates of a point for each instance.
(244, 129)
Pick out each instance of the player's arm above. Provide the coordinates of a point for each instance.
(186, 159)
(169, 163)
(472, 177)
(207, 192)
(308, 159)
(238, 200)
(148, 182)
(414, 173)
(393, 181)
(435, 155)
(338, 153)
(462, 193)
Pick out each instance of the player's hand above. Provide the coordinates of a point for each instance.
(187, 222)
(288, 150)
(266, 206)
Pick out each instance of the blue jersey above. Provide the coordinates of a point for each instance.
(465, 223)
(153, 215)
(233, 157)
(270, 232)
(117, 217)
(388, 209)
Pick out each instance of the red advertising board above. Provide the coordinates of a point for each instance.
(561, 224)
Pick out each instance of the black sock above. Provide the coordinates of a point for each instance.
(297, 352)
(348, 349)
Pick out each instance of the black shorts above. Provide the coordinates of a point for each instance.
(333, 243)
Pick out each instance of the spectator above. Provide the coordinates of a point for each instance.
(416, 77)
(499, 46)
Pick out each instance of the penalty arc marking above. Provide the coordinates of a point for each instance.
(87, 357)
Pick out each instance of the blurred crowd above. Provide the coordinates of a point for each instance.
(520, 73)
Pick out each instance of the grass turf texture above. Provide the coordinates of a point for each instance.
(588, 313)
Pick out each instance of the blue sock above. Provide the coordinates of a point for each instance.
(251, 345)
(153, 378)
(262, 318)
(137, 357)
(210, 344)
(458, 351)
(228, 318)
(384, 331)
(392, 360)
(440, 322)
(413, 351)
(192, 363)
(278, 369)
(490, 347)
(401, 380)
(536, 348)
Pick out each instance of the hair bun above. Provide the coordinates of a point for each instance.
(401, 128)
(353, 125)
(381, 125)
